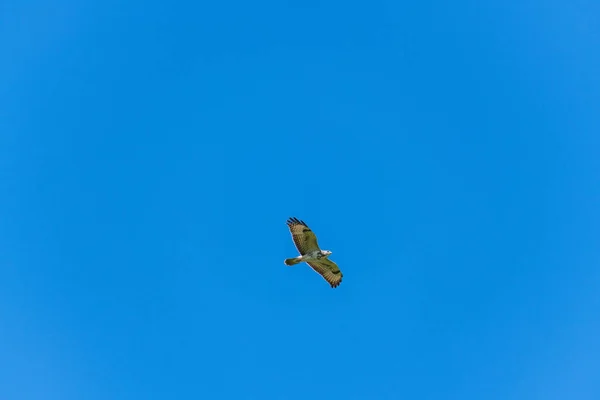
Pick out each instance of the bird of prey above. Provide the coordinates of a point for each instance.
(306, 243)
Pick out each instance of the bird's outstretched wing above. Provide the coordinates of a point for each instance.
(304, 239)
(328, 270)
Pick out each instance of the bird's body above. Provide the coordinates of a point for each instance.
(306, 243)
(312, 256)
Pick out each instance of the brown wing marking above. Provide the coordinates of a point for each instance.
(328, 270)
(304, 238)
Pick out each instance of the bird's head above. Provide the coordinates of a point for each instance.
(326, 253)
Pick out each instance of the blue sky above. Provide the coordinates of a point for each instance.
(446, 152)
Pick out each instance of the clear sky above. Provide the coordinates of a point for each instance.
(446, 152)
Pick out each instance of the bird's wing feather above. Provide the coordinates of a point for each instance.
(328, 270)
(304, 238)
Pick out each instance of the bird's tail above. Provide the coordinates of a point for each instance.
(292, 261)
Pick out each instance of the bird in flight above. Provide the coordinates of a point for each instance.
(306, 243)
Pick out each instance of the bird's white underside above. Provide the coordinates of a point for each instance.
(312, 256)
